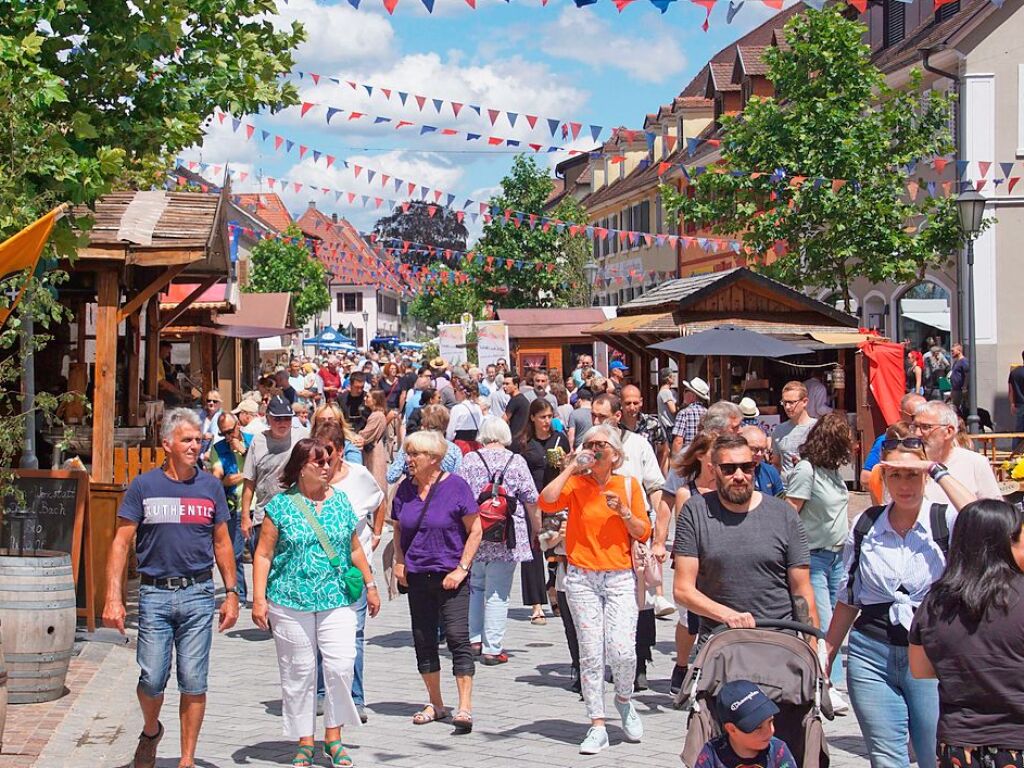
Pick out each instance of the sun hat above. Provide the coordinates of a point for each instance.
(699, 387)
(749, 408)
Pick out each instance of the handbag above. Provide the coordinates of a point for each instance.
(351, 577)
(646, 567)
(404, 590)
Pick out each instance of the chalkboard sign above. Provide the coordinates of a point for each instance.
(50, 514)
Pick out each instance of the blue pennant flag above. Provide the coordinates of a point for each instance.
(595, 131)
(451, 199)
(438, 103)
(511, 143)
(264, 135)
(931, 188)
(288, 145)
(475, 108)
(381, 120)
(369, 175)
(474, 217)
(467, 203)
(1007, 169)
(661, 5)
(581, 3)
(512, 117)
(354, 4)
(316, 155)
(961, 168)
(734, 8)
(331, 112)
(429, 5)
(472, 136)
(691, 146)
(911, 167)
(365, 199)
(235, 124)
(553, 125)
(427, 129)
(369, 90)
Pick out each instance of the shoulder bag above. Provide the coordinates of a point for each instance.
(351, 577)
(402, 590)
(646, 567)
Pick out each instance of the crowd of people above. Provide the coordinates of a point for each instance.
(449, 476)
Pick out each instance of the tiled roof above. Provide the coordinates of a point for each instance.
(694, 101)
(721, 77)
(268, 207)
(752, 59)
(931, 34)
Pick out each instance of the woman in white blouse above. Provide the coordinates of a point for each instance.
(892, 556)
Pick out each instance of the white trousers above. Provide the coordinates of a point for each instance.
(298, 636)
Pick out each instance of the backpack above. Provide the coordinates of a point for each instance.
(940, 535)
(496, 506)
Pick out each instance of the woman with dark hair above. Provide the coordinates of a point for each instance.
(428, 396)
(544, 450)
(375, 454)
(390, 385)
(892, 556)
(969, 633)
(309, 573)
(818, 493)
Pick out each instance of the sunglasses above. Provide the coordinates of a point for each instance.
(595, 445)
(213, 401)
(911, 443)
(729, 468)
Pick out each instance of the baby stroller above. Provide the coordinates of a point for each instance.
(783, 666)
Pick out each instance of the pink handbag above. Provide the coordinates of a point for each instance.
(646, 567)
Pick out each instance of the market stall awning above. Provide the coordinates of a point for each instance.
(660, 322)
(937, 320)
(730, 340)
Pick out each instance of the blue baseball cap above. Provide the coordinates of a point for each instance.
(743, 704)
(618, 365)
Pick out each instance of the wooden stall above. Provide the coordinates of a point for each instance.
(551, 338)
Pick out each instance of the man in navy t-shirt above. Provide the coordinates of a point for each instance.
(178, 516)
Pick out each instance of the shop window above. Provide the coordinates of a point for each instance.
(350, 302)
(924, 316)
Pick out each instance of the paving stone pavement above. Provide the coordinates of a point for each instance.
(524, 714)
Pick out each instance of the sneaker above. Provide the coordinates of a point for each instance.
(362, 713)
(839, 704)
(145, 752)
(494, 659)
(632, 725)
(662, 607)
(596, 741)
(678, 675)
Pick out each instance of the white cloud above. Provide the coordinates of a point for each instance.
(337, 35)
(654, 55)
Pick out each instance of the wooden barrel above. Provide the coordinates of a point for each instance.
(37, 624)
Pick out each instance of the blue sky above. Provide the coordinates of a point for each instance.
(592, 65)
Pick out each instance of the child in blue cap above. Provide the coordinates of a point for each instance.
(747, 719)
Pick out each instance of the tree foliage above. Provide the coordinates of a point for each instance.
(442, 229)
(833, 117)
(285, 265)
(443, 302)
(98, 95)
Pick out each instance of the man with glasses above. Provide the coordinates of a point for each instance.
(936, 423)
(740, 554)
(909, 403)
(266, 457)
(788, 438)
(767, 479)
(226, 461)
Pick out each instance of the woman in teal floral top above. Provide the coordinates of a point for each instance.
(307, 600)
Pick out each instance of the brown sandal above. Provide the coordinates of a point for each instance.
(145, 752)
(463, 721)
(435, 715)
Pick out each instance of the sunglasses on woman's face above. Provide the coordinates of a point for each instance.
(910, 443)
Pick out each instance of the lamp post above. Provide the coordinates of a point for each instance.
(970, 209)
(366, 329)
(590, 270)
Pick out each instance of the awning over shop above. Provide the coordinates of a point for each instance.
(937, 320)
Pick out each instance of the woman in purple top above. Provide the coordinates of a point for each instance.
(437, 534)
(495, 564)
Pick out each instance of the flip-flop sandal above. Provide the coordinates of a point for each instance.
(463, 721)
(538, 620)
(303, 756)
(422, 717)
(336, 753)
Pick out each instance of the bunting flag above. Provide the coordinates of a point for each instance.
(19, 255)
(443, 106)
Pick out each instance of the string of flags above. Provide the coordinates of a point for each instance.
(567, 129)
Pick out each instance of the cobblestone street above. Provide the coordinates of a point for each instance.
(524, 714)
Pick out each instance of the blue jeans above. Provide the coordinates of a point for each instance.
(490, 584)
(180, 620)
(238, 541)
(358, 695)
(826, 574)
(890, 704)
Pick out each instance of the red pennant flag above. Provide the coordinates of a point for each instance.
(533, 221)
(355, 115)
(797, 181)
(663, 167)
(243, 176)
(386, 92)
(776, 4)
(330, 160)
(707, 5)
(860, 5)
(670, 142)
(980, 185)
(420, 100)
(983, 166)
(221, 116)
(378, 201)
(302, 151)
(545, 227)
(493, 114)
(494, 141)
(182, 181)
(532, 120)
(271, 182)
(390, 5)
(448, 132)
(411, 187)
(947, 187)
(249, 131)
(616, 159)
(940, 3)
(1012, 183)
(402, 124)
(535, 147)
(456, 108)
(940, 163)
(459, 216)
(575, 129)
(306, 106)
(913, 188)
(384, 180)
(838, 184)
(278, 141)
(296, 185)
(316, 78)
(358, 170)
(431, 210)
(620, 4)
(437, 195)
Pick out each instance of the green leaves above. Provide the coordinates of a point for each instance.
(833, 117)
(288, 267)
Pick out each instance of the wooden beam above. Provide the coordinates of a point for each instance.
(189, 300)
(105, 376)
(132, 348)
(162, 280)
(154, 370)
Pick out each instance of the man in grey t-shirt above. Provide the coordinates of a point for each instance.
(581, 419)
(788, 438)
(741, 555)
(261, 475)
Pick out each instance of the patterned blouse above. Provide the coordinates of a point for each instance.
(519, 483)
(301, 577)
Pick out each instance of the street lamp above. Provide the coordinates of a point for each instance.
(590, 270)
(970, 209)
(366, 328)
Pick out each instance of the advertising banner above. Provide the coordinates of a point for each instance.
(491, 342)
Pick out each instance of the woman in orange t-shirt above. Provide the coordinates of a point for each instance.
(605, 516)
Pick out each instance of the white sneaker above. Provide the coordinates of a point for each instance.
(596, 741)
(839, 704)
(662, 607)
(632, 725)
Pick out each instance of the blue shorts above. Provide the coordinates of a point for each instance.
(178, 619)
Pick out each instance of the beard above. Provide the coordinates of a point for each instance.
(733, 493)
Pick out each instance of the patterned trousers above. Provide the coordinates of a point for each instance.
(603, 605)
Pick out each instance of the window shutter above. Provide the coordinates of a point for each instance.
(895, 18)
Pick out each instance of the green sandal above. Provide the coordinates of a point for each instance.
(303, 756)
(335, 752)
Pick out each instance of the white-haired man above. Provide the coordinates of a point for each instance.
(936, 423)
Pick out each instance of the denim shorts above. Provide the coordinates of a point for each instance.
(178, 619)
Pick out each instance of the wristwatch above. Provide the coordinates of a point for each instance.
(464, 567)
(233, 589)
(937, 471)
